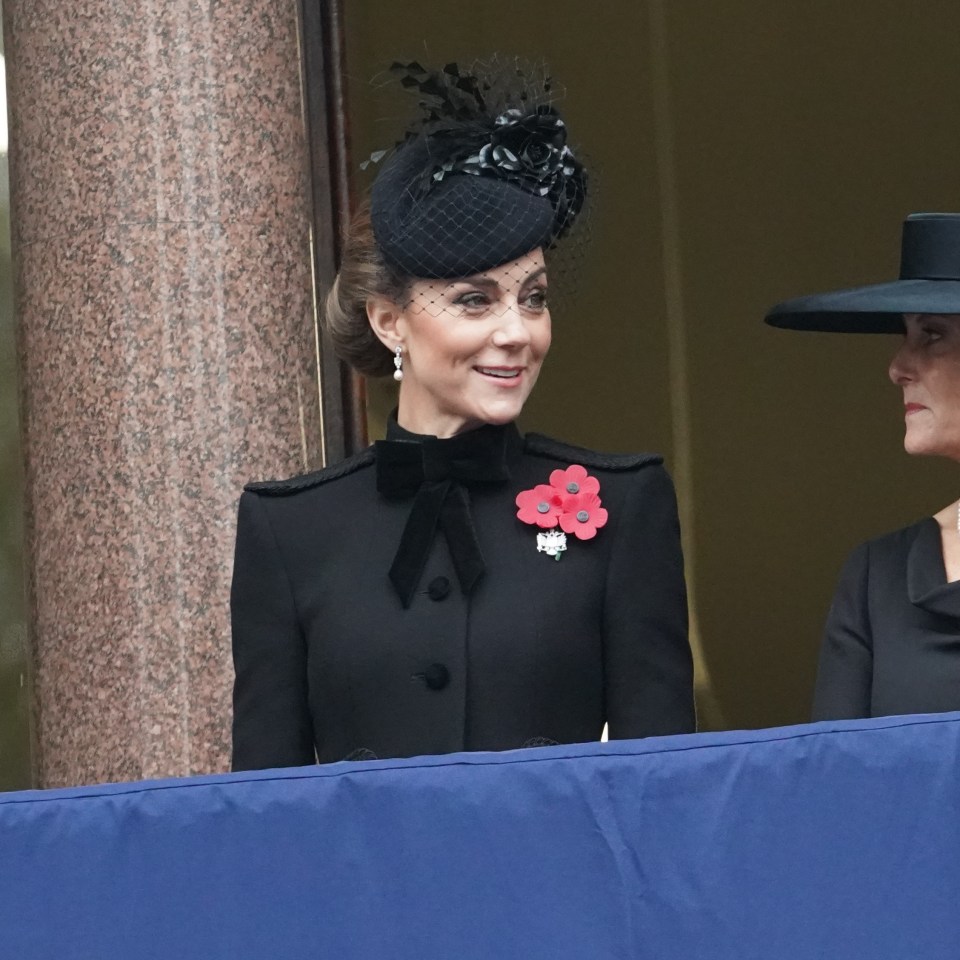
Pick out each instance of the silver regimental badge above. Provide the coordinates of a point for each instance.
(552, 542)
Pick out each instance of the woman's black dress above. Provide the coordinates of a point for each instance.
(892, 639)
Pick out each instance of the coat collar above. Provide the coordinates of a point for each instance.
(927, 584)
(508, 434)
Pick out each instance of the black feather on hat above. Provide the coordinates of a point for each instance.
(483, 177)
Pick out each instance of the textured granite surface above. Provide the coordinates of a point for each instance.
(167, 355)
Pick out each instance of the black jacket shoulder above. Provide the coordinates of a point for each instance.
(535, 444)
(538, 445)
(896, 541)
(307, 481)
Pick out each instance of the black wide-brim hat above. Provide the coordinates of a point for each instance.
(929, 283)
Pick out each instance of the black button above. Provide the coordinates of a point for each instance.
(436, 676)
(438, 588)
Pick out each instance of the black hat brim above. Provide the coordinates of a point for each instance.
(877, 308)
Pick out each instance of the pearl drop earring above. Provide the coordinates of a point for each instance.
(398, 363)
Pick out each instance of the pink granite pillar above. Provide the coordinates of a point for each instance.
(167, 354)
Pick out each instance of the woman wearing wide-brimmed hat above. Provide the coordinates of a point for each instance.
(892, 640)
(459, 586)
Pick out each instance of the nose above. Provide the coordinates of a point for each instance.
(901, 368)
(511, 330)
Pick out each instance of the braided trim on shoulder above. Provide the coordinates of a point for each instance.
(541, 446)
(315, 479)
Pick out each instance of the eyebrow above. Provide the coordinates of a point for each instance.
(480, 280)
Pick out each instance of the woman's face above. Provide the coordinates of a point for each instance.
(472, 348)
(927, 367)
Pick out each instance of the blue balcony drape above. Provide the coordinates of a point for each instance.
(837, 840)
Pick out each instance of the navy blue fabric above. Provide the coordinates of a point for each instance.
(837, 840)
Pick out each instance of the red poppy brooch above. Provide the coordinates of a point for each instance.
(570, 502)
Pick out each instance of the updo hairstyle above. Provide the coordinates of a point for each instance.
(363, 274)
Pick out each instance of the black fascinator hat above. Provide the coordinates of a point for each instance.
(482, 177)
(929, 283)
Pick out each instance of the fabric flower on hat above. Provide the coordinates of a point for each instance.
(532, 147)
(541, 506)
(582, 515)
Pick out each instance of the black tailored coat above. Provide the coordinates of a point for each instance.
(328, 662)
(892, 639)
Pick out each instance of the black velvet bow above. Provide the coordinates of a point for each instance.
(437, 473)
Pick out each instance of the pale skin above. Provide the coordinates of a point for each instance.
(927, 369)
(472, 347)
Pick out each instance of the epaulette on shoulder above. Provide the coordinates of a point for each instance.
(541, 446)
(279, 488)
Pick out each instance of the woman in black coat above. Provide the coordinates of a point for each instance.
(458, 586)
(892, 643)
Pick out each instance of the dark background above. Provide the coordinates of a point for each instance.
(744, 151)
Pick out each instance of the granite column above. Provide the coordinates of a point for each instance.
(167, 345)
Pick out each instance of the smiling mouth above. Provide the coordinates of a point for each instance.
(501, 373)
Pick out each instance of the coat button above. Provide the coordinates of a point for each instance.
(438, 588)
(436, 676)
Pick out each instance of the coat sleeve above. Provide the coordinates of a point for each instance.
(271, 716)
(648, 667)
(845, 674)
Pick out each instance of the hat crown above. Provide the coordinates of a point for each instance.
(930, 249)
(484, 176)
(463, 225)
